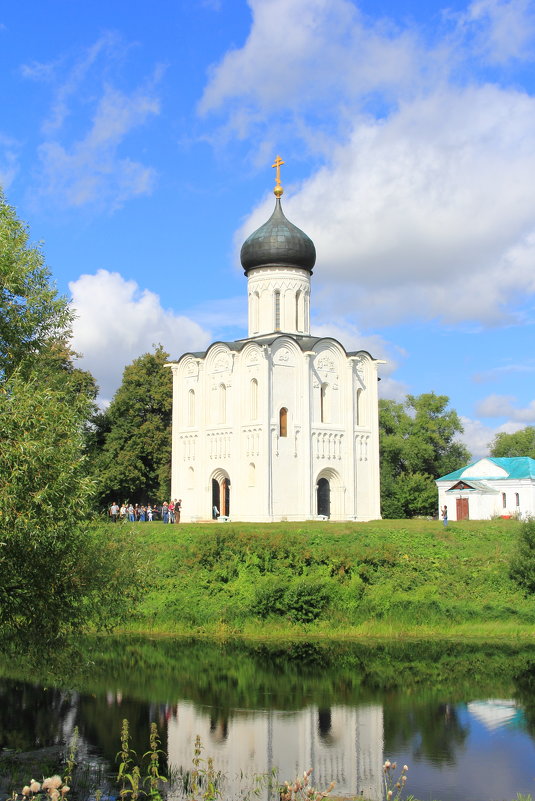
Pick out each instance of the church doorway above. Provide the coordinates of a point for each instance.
(324, 497)
(221, 493)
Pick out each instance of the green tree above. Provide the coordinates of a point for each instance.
(417, 445)
(521, 443)
(132, 438)
(54, 570)
(32, 315)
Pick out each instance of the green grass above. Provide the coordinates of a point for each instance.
(394, 579)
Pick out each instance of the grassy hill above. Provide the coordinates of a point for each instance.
(384, 578)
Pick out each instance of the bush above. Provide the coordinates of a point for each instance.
(522, 566)
(301, 601)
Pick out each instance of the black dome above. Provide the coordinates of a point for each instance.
(278, 242)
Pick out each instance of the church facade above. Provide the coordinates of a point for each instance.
(280, 425)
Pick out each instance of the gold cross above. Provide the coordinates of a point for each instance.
(278, 162)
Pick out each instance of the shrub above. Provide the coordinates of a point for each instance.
(522, 566)
(302, 600)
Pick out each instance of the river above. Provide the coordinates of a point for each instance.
(462, 718)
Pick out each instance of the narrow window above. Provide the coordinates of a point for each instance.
(517, 498)
(254, 399)
(297, 304)
(191, 407)
(191, 478)
(358, 409)
(277, 310)
(504, 500)
(323, 404)
(252, 475)
(222, 403)
(283, 422)
(254, 314)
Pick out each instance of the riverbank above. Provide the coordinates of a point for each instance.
(380, 580)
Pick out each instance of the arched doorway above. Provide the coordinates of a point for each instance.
(330, 492)
(324, 497)
(221, 493)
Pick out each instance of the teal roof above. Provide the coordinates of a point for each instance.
(515, 466)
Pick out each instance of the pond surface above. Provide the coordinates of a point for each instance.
(461, 718)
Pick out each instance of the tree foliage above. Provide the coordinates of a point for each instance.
(132, 439)
(417, 445)
(522, 567)
(521, 443)
(54, 571)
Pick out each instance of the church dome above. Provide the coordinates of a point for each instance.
(278, 243)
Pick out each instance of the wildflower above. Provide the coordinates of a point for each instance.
(386, 765)
(34, 786)
(394, 765)
(55, 782)
(54, 794)
(26, 790)
(46, 784)
(65, 789)
(389, 795)
(405, 768)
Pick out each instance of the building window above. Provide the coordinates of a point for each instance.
(358, 407)
(254, 399)
(254, 312)
(191, 408)
(222, 403)
(283, 422)
(191, 478)
(252, 475)
(277, 310)
(298, 296)
(504, 500)
(517, 498)
(324, 413)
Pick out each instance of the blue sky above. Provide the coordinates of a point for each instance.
(137, 142)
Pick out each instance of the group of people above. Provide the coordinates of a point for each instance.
(167, 512)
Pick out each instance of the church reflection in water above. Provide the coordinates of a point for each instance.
(340, 744)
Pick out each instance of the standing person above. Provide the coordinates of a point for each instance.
(114, 511)
(122, 512)
(444, 513)
(171, 512)
(149, 513)
(165, 512)
(178, 507)
(131, 513)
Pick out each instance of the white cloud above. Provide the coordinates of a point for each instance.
(91, 171)
(117, 322)
(303, 54)
(478, 437)
(86, 162)
(503, 406)
(9, 160)
(426, 213)
(501, 29)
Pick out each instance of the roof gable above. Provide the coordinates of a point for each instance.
(485, 468)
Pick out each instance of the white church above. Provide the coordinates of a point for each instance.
(281, 425)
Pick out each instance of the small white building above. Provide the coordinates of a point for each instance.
(490, 487)
(281, 425)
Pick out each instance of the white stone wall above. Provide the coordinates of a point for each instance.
(226, 424)
(293, 287)
(484, 506)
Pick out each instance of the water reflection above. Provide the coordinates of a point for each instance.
(340, 709)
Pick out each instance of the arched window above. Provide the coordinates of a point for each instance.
(191, 478)
(252, 475)
(298, 296)
(517, 498)
(283, 422)
(254, 399)
(358, 407)
(277, 299)
(255, 303)
(191, 407)
(504, 500)
(324, 401)
(222, 403)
